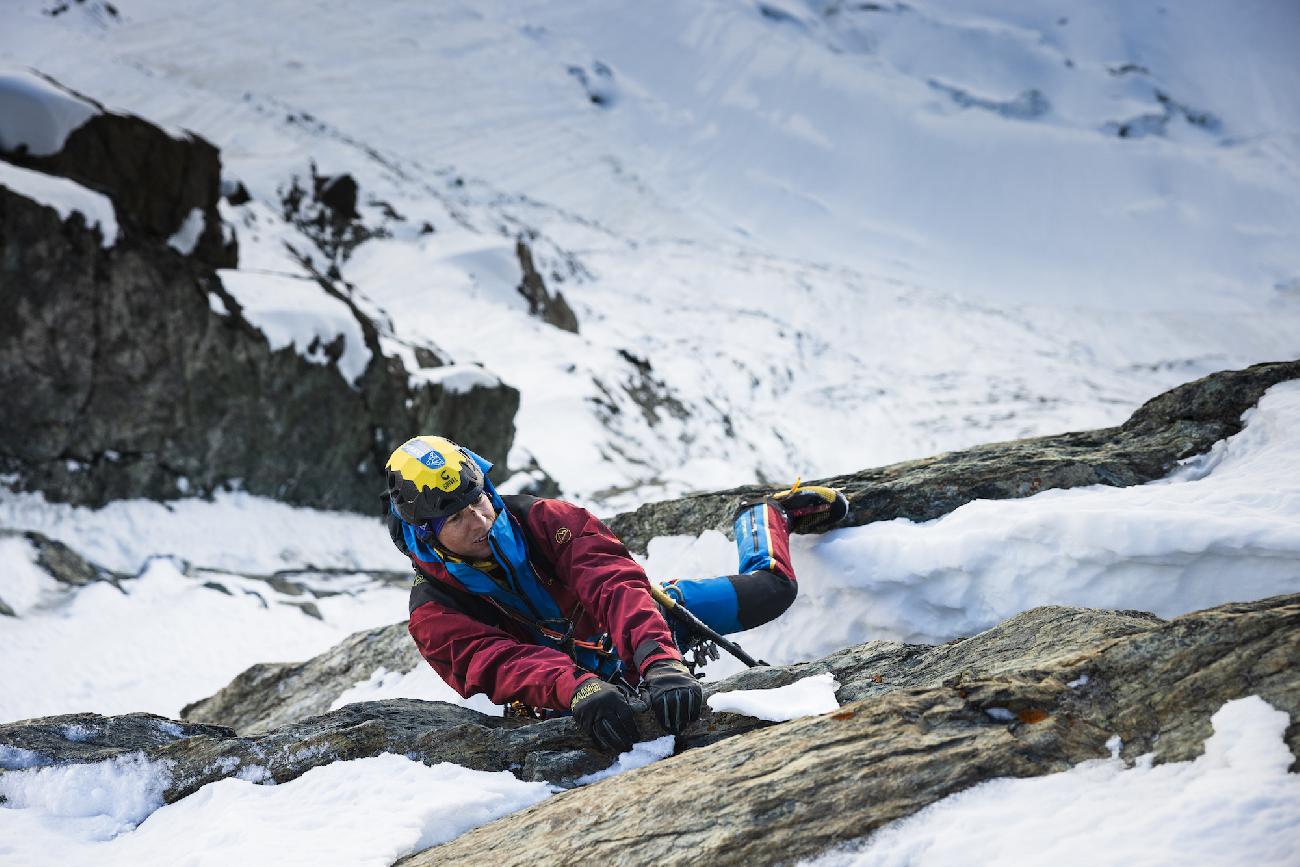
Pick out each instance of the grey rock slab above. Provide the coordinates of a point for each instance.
(88, 737)
(793, 790)
(1178, 424)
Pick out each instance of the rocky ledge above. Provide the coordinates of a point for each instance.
(1178, 424)
(1034, 695)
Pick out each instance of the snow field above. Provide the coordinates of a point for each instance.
(821, 221)
(165, 640)
(368, 811)
(293, 311)
(37, 116)
(233, 531)
(1236, 804)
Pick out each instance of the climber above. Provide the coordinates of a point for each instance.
(535, 603)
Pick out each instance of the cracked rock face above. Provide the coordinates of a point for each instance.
(917, 723)
(1178, 424)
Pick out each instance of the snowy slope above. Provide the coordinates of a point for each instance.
(778, 223)
(1225, 527)
(800, 238)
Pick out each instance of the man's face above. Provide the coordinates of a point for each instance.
(465, 533)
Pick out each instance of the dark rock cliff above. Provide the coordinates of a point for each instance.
(129, 371)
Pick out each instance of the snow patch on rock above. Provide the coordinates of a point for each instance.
(36, 115)
(807, 697)
(187, 236)
(64, 196)
(295, 311)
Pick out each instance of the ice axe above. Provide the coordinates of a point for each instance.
(697, 626)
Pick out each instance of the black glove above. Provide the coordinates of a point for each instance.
(675, 695)
(602, 711)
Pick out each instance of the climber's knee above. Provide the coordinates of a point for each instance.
(762, 596)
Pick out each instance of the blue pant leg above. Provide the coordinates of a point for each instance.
(713, 600)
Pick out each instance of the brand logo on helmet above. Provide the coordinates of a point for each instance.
(432, 459)
(563, 535)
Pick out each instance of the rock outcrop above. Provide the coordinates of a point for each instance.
(1034, 695)
(797, 789)
(551, 309)
(1178, 424)
(129, 370)
(157, 181)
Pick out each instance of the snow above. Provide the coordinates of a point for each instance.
(1236, 804)
(64, 196)
(456, 378)
(187, 236)
(25, 584)
(234, 531)
(368, 811)
(801, 238)
(99, 800)
(37, 115)
(808, 696)
(1225, 526)
(168, 641)
(422, 683)
(805, 224)
(642, 754)
(16, 758)
(296, 311)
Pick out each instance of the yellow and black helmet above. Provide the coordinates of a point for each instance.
(431, 478)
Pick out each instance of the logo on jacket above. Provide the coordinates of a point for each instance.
(563, 535)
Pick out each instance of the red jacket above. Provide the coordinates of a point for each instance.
(475, 648)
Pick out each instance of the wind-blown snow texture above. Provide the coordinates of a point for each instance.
(801, 237)
(365, 812)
